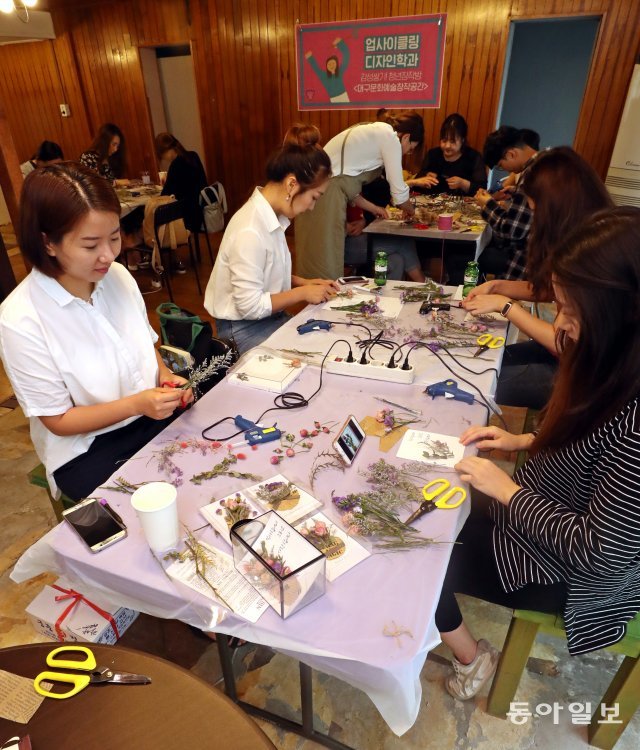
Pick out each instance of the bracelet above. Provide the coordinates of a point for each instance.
(505, 310)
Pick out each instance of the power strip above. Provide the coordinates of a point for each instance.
(376, 369)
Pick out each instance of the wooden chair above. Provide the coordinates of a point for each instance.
(38, 477)
(624, 689)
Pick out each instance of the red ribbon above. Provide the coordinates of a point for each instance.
(77, 598)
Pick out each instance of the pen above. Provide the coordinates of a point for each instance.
(417, 412)
(106, 505)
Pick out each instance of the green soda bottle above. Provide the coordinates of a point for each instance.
(471, 274)
(380, 268)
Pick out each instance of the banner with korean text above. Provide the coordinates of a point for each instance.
(380, 62)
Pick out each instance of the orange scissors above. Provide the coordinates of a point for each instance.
(97, 675)
(444, 492)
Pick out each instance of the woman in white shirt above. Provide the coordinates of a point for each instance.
(74, 335)
(251, 283)
(358, 155)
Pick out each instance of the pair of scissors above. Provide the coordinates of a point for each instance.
(97, 675)
(444, 492)
(488, 341)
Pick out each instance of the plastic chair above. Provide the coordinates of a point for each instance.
(624, 689)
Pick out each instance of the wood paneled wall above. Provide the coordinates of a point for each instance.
(244, 59)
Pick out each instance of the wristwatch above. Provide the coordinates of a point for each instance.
(505, 310)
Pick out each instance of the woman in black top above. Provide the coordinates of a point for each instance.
(453, 167)
(564, 532)
(107, 155)
(185, 177)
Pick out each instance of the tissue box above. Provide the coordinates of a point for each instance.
(82, 623)
(281, 565)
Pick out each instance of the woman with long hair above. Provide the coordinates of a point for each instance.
(107, 155)
(358, 156)
(563, 191)
(74, 335)
(252, 284)
(564, 532)
(452, 166)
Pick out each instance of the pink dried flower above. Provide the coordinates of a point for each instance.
(290, 452)
(304, 433)
(275, 459)
(241, 456)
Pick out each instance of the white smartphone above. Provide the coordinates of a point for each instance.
(94, 524)
(352, 280)
(349, 440)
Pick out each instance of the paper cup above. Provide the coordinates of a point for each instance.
(445, 222)
(163, 177)
(156, 506)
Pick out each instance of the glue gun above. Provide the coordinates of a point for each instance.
(314, 325)
(255, 435)
(449, 389)
(426, 307)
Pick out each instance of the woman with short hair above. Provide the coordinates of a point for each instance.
(74, 335)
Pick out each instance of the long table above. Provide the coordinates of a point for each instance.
(341, 633)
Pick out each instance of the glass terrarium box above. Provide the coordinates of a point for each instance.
(280, 564)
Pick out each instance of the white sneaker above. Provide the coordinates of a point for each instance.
(468, 679)
(156, 283)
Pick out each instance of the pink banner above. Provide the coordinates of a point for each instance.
(380, 62)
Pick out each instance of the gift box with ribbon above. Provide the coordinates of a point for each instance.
(63, 613)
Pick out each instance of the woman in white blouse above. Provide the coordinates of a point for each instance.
(251, 283)
(564, 533)
(74, 335)
(358, 156)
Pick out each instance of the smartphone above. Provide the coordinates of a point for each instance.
(94, 524)
(349, 440)
(353, 280)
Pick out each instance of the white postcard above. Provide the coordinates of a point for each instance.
(430, 448)
(389, 306)
(222, 514)
(266, 372)
(289, 500)
(233, 590)
(341, 550)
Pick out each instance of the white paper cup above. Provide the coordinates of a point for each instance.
(163, 177)
(156, 506)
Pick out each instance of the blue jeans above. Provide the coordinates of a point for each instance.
(250, 333)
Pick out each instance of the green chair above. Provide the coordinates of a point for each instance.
(623, 690)
(38, 477)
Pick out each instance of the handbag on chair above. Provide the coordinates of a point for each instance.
(213, 201)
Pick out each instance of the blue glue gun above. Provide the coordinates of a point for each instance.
(255, 435)
(314, 325)
(449, 389)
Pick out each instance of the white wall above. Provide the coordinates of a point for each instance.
(178, 84)
(153, 88)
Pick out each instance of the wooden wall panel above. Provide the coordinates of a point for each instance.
(244, 58)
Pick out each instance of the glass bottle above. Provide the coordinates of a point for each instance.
(380, 268)
(471, 274)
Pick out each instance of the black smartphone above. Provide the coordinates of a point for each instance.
(349, 440)
(94, 524)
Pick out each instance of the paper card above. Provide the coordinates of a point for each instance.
(341, 550)
(266, 372)
(18, 699)
(222, 514)
(389, 306)
(457, 295)
(296, 505)
(233, 590)
(430, 448)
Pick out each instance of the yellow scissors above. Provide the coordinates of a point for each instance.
(441, 489)
(488, 341)
(97, 675)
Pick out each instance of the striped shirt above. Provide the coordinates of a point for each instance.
(577, 519)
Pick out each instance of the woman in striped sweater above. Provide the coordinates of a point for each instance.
(564, 532)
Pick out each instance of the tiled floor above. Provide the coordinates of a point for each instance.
(270, 680)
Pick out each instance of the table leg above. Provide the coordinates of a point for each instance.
(305, 729)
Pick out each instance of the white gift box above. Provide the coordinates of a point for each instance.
(82, 623)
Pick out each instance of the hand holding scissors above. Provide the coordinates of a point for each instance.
(97, 675)
(488, 341)
(441, 489)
